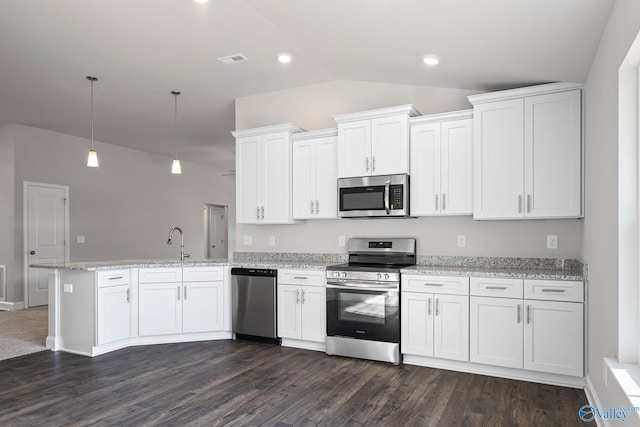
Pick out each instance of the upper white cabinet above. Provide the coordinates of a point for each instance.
(263, 174)
(527, 152)
(442, 164)
(374, 142)
(315, 174)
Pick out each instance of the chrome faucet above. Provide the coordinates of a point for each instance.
(182, 254)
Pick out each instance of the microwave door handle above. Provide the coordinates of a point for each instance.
(386, 197)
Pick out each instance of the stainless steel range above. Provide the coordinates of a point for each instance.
(363, 299)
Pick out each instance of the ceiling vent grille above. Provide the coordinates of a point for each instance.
(232, 59)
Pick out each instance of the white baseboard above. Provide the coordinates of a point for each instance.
(594, 400)
(4, 305)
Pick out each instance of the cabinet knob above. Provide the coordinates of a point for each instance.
(32, 253)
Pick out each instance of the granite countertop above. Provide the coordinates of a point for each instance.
(515, 273)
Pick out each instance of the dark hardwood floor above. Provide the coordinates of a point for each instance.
(243, 383)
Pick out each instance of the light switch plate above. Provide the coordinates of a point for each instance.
(272, 240)
(247, 240)
(68, 287)
(341, 240)
(462, 241)
(80, 238)
(552, 242)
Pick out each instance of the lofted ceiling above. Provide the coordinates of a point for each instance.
(141, 50)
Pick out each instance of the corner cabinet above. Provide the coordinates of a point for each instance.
(528, 152)
(263, 175)
(315, 174)
(302, 306)
(374, 142)
(442, 164)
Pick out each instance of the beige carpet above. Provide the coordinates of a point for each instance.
(23, 331)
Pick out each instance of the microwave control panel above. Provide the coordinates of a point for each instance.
(396, 197)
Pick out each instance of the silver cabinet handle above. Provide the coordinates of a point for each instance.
(317, 207)
(560, 291)
(184, 294)
(366, 164)
(373, 164)
(429, 308)
(303, 296)
(432, 284)
(518, 313)
(444, 202)
(528, 203)
(116, 278)
(497, 288)
(437, 303)
(297, 296)
(519, 203)
(436, 202)
(262, 212)
(300, 277)
(257, 212)
(312, 207)
(127, 295)
(178, 290)
(528, 313)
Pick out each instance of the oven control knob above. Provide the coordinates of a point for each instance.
(344, 274)
(386, 276)
(336, 274)
(378, 276)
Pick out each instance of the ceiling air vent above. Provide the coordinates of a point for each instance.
(232, 59)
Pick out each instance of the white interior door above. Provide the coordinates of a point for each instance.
(217, 232)
(46, 236)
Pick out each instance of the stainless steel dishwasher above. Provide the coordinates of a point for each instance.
(254, 297)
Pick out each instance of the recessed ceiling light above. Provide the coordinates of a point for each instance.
(201, 1)
(431, 60)
(285, 58)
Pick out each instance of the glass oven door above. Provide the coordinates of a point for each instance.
(363, 313)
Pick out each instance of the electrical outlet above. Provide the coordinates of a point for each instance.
(272, 240)
(341, 240)
(80, 238)
(462, 241)
(552, 242)
(247, 240)
(68, 287)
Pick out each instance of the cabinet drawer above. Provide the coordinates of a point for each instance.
(302, 277)
(435, 284)
(202, 274)
(554, 290)
(160, 275)
(113, 278)
(496, 287)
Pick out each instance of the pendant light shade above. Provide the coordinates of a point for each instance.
(92, 160)
(176, 168)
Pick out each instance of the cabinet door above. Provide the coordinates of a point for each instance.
(416, 324)
(327, 178)
(304, 179)
(425, 169)
(457, 168)
(160, 308)
(496, 331)
(248, 170)
(276, 178)
(114, 314)
(202, 307)
(553, 337)
(390, 145)
(289, 312)
(552, 155)
(354, 149)
(314, 308)
(498, 158)
(451, 327)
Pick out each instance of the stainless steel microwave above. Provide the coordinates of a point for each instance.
(373, 196)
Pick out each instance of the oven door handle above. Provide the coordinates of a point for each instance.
(367, 287)
(387, 207)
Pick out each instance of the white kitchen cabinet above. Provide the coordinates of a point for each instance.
(374, 142)
(194, 303)
(442, 164)
(544, 334)
(435, 317)
(263, 175)
(315, 174)
(114, 311)
(527, 153)
(302, 308)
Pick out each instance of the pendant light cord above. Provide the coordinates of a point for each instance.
(91, 114)
(175, 119)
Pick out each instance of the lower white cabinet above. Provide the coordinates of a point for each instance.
(194, 303)
(434, 316)
(302, 305)
(114, 314)
(526, 333)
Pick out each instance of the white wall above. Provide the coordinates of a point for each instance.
(6, 207)
(313, 107)
(601, 221)
(125, 207)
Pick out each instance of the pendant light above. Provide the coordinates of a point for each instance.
(176, 168)
(92, 160)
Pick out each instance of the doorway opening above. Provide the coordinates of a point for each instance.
(216, 231)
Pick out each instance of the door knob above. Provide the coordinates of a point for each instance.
(32, 253)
